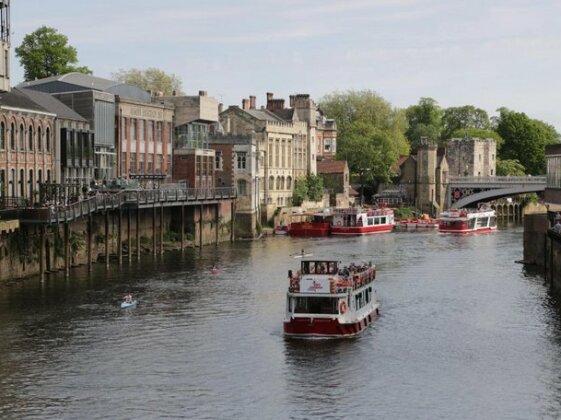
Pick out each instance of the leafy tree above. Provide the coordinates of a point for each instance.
(315, 187)
(151, 79)
(525, 139)
(300, 192)
(425, 120)
(463, 117)
(45, 52)
(509, 167)
(370, 133)
(479, 133)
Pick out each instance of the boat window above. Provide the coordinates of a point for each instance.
(315, 305)
(333, 267)
(370, 221)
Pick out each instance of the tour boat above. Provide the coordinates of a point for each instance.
(314, 224)
(326, 299)
(463, 221)
(359, 221)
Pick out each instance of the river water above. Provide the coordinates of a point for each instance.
(464, 333)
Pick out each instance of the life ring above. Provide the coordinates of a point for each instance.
(338, 223)
(342, 307)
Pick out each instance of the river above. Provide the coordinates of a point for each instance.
(464, 333)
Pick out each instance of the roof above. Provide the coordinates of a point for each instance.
(331, 166)
(51, 104)
(263, 114)
(80, 79)
(285, 114)
(16, 99)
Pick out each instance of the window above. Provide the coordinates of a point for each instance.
(150, 169)
(13, 182)
(123, 164)
(2, 136)
(133, 129)
(48, 140)
(30, 137)
(159, 131)
(39, 139)
(3, 183)
(271, 182)
(12, 136)
(241, 160)
(141, 130)
(21, 179)
(242, 187)
(218, 161)
(150, 131)
(123, 128)
(20, 138)
(289, 183)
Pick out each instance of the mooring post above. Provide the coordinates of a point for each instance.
(201, 227)
(182, 227)
(66, 249)
(42, 252)
(161, 229)
(119, 236)
(217, 220)
(129, 249)
(106, 239)
(154, 229)
(138, 234)
(90, 234)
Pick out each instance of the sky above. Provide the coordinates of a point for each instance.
(490, 54)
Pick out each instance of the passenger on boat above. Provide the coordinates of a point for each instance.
(128, 298)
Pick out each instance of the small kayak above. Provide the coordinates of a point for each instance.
(125, 305)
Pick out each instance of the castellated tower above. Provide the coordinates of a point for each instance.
(5, 45)
(472, 157)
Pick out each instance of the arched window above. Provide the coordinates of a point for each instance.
(279, 183)
(289, 183)
(20, 138)
(30, 137)
(39, 139)
(30, 184)
(21, 182)
(12, 136)
(2, 136)
(282, 182)
(13, 182)
(48, 139)
(271, 182)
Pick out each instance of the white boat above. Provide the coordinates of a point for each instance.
(125, 305)
(462, 221)
(327, 299)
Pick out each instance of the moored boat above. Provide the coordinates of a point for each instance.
(462, 221)
(425, 222)
(280, 230)
(326, 299)
(361, 221)
(313, 224)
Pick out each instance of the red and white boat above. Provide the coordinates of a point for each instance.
(325, 299)
(280, 230)
(359, 221)
(311, 224)
(462, 221)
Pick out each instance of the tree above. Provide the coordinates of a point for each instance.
(151, 79)
(45, 52)
(525, 140)
(463, 117)
(315, 187)
(425, 120)
(300, 192)
(370, 133)
(509, 167)
(479, 133)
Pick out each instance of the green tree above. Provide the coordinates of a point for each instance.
(479, 133)
(315, 187)
(525, 140)
(425, 121)
(300, 192)
(509, 167)
(151, 79)
(370, 133)
(45, 52)
(463, 117)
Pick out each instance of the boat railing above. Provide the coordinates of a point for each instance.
(341, 282)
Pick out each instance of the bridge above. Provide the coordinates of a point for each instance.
(465, 191)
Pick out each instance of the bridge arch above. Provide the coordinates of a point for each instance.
(495, 194)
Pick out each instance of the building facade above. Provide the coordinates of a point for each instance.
(472, 157)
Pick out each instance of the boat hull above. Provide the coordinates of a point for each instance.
(466, 231)
(125, 305)
(360, 230)
(326, 327)
(309, 230)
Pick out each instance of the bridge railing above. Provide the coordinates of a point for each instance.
(496, 180)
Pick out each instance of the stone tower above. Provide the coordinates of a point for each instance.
(5, 45)
(426, 177)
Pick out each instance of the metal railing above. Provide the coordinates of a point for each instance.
(496, 179)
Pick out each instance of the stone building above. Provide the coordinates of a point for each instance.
(282, 151)
(5, 29)
(27, 151)
(472, 157)
(72, 139)
(335, 175)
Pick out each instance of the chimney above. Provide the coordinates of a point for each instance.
(252, 102)
(220, 108)
(292, 101)
(245, 104)
(202, 92)
(269, 96)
